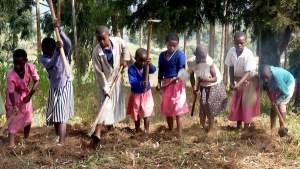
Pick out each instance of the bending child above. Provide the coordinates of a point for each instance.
(280, 86)
(18, 95)
(140, 103)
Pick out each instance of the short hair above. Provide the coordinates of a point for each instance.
(140, 52)
(19, 54)
(172, 37)
(102, 29)
(48, 43)
(239, 34)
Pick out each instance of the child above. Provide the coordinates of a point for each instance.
(109, 55)
(18, 95)
(280, 86)
(60, 100)
(173, 101)
(140, 103)
(213, 98)
(241, 63)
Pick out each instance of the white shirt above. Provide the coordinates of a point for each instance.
(202, 70)
(242, 64)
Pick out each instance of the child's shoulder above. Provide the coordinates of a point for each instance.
(10, 73)
(131, 68)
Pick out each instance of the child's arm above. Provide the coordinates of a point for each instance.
(32, 91)
(35, 77)
(66, 44)
(213, 77)
(159, 71)
(48, 62)
(11, 87)
(133, 80)
(243, 79)
(152, 68)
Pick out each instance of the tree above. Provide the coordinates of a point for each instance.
(15, 24)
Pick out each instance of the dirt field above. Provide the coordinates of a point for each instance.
(122, 148)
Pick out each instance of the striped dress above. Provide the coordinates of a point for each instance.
(60, 104)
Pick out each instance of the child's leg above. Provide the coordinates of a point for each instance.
(178, 121)
(202, 115)
(282, 111)
(210, 117)
(238, 125)
(170, 122)
(62, 132)
(273, 118)
(246, 126)
(56, 127)
(146, 124)
(11, 140)
(137, 125)
(27, 131)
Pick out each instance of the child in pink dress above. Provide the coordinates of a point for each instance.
(140, 103)
(18, 95)
(173, 101)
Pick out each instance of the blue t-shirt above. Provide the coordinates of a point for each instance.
(137, 77)
(169, 67)
(109, 56)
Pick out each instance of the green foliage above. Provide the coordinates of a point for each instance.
(15, 24)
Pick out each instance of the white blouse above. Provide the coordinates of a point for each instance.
(242, 64)
(202, 70)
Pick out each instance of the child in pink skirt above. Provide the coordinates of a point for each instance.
(245, 102)
(173, 101)
(18, 95)
(140, 103)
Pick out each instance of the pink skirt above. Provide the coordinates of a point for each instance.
(140, 105)
(173, 101)
(21, 119)
(245, 103)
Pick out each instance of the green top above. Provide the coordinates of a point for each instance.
(282, 79)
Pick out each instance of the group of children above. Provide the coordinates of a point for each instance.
(111, 54)
(18, 103)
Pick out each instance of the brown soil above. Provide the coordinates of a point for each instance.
(122, 148)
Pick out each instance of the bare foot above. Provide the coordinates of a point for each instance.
(138, 130)
(12, 146)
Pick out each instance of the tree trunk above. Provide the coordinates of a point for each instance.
(75, 30)
(115, 28)
(38, 27)
(273, 45)
(185, 39)
(141, 37)
(226, 48)
(198, 37)
(222, 48)
(211, 48)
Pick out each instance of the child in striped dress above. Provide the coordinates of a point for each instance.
(18, 95)
(140, 103)
(60, 100)
(173, 101)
